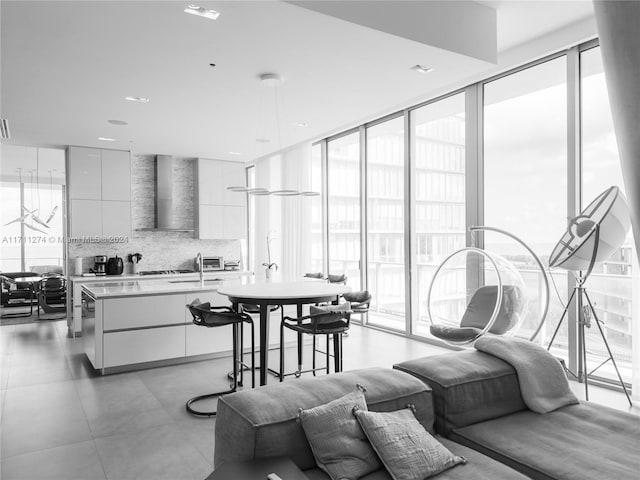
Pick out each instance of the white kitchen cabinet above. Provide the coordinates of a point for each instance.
(116, 218)
(210, 224)
(221, 213)
(85, 173)
(210, 185)
(102, 176)
(233, 175)
(234, 222)
(116, 175)
(147, 345)
(137, 312)
(85, 218)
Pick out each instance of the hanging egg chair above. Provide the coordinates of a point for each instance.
(474, 292)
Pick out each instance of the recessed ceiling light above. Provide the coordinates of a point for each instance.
(262, 140)
(106, 139)
(301, 124)
(117, 122)
(235, 153)
(201, 11)
(137, 99)
(421, 69)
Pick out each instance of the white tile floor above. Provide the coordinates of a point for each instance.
(61, 421)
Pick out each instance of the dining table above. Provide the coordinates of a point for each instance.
(267, 294)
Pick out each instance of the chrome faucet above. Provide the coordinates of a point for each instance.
(200, 268)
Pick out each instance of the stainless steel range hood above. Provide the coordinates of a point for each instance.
(164, 197)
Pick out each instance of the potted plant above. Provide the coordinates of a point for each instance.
(270, 266)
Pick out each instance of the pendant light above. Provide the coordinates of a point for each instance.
(273, 81)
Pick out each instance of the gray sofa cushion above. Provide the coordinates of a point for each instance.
(478, 467)
(573, 443)
(468, 387)
(262, 422)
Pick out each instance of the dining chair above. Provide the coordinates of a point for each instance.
(337, 279)
(330, 321)
(51, 293)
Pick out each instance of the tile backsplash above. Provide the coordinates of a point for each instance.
(160, 250)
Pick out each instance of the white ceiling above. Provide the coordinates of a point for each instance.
(67, 66)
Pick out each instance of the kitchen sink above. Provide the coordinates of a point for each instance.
(196, 282)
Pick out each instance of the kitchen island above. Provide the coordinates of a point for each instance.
(132, 324)
(76, 282)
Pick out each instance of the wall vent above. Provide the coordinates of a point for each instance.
(4, 129)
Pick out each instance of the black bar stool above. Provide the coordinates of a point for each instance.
(207, 316)
(329, 321)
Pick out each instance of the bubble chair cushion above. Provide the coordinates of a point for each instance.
(478, 313)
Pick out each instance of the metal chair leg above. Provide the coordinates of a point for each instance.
(327, 355)
(336, 352)
(281, 351)
(234, 385)
(313, 358)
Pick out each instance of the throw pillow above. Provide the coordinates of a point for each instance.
(407, 450)
(339, 445)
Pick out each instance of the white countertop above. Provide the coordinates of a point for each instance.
(135, 276)
(137, 288)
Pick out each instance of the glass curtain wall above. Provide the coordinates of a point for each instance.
(385, 223)
(26, 243)
(610, 286)
(251, 218)
(317, 251)
(532, 176)
(525, 179)
(438, 157)
(343, 170)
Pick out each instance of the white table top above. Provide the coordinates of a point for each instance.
(283, 290)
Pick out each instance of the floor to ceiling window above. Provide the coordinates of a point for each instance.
(525, 178)
(251, 218)
(533, 174)
(610, 286)
(315, 206)
(32, 216)
(438, 157)
(385, 223)
(343, 169)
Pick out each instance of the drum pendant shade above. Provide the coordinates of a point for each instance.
(609, 215)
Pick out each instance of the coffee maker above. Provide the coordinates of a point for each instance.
(100, 265)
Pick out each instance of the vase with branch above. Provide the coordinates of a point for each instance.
(270, 266)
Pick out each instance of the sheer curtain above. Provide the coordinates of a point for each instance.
(285, 221)
(617, 24)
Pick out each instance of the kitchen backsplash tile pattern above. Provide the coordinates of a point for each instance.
(160, 250)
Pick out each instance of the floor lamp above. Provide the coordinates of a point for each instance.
(593, 236)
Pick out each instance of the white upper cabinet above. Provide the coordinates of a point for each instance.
(86, 217)
(116, 175)
(116, 218)
(99, 192)
(85, 173)
(221, 212)
(210, 189)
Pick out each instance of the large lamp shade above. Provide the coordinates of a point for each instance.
(608, 215)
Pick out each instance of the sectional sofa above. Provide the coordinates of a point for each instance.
(469, 400)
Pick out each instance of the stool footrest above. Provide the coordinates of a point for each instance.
(202, 397)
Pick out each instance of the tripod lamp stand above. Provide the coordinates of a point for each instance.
(593, 236)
